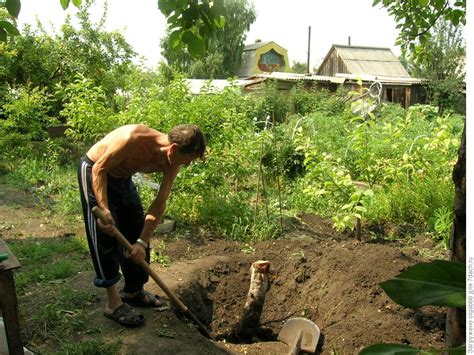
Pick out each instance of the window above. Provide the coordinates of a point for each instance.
(270, 61)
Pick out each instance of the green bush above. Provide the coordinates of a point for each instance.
(25, 120)
(306, 101)
(86, 110)
(260, 155)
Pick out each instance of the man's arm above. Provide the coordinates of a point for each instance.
(157, 207)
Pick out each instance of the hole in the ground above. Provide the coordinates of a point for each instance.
(217, 297)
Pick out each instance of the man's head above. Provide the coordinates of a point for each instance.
(189, 140)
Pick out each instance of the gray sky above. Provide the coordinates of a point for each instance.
(284, 21)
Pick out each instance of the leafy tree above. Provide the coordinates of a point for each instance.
(224, 54)
(39, 59)
(105, 57)
(415, 20)
(443, 65)
(299, 67)
(192, 24)
(8, 24)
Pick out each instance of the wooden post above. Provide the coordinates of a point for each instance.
(8, 301)
(249, 323)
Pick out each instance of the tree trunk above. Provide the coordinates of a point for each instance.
(456, 317)
(259, 285)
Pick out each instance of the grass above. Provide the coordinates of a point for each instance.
(57, 319)
(92, 346)
(45, 260)
(158, 255)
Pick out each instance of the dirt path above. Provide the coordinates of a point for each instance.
(318, 274)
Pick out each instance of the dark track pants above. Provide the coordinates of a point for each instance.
(126, 208)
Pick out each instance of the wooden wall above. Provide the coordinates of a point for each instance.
(332, 65)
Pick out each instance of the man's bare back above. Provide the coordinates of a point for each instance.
(130, 149)
(137, 148)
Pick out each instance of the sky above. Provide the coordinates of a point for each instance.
(285, 22)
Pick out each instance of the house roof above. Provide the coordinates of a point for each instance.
(253, 46)
(369, 60)
(249, 56)
(283, 76)
(385, 80)
(198, 86)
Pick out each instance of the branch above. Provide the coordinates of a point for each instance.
(419, 34)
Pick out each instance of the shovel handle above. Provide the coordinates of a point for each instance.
(99, 213)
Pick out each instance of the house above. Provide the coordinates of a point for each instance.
(371, 64)
(263, 57)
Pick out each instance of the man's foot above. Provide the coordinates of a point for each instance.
(125, 315)
(142, 298)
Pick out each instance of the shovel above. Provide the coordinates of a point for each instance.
(99, 213)
(300, 334)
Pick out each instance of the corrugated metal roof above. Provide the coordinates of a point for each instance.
(215, 86)
(296, 77)
(253, 46)
(381, 78)
(371, 60)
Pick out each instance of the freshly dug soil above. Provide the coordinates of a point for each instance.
(317, 274)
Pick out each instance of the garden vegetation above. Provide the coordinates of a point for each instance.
(270, 155)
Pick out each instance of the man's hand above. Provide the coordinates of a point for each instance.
(106, 223)
(138, 253)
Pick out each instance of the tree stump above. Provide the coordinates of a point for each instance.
(249, 323)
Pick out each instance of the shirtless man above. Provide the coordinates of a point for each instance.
(105, 180)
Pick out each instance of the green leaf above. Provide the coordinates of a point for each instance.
(458, 351)
(188, 37)
(389, 349)
(65, 4)
(360, 209)
(3, 35)
(220, 21)
(175, 38)
(10, 28)
(77, 3)
(191, 15)
(13, 7)
(439, 283)
(196, 47)
(166, 7)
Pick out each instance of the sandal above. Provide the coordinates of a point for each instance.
(143, 299)
(126, 316)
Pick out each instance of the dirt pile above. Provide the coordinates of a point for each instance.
(320, 275)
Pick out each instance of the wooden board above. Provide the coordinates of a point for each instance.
(12, 261)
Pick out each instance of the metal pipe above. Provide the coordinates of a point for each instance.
(308, 68)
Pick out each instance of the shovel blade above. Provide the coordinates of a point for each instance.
(292, 329)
